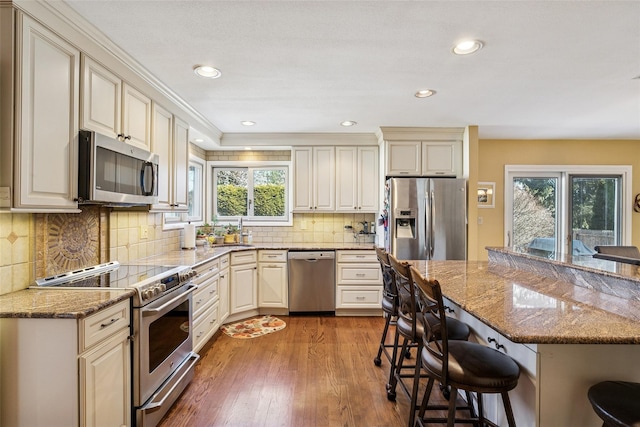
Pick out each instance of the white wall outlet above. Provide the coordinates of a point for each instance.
(5, 197)
(303, 225)
(144, 232)
(480, 220)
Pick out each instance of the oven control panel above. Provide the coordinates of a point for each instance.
(154, 289)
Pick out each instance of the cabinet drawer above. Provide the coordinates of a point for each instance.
(204, 327)
(359, 274)
(358, 297)
(206, 271)
(357, 256)
(243, 257)
(272, 256)
(205, 294)
(224, 262)
(102, 324)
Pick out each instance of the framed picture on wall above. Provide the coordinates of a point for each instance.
(486, 194)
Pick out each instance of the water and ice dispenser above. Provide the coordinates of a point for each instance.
(405, 224)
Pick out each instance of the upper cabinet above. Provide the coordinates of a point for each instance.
(114, 108)
(357, 179)
(46, 113)
(314, 178)
(423, 158)
(170, 141)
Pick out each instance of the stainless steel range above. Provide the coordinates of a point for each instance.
(163, 360)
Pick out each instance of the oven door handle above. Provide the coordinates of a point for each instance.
(152, 311)
(194, 357)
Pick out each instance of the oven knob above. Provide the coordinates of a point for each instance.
(163, 287)
(147, 293)
(156, 290)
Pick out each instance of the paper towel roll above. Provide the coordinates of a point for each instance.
(189, 236)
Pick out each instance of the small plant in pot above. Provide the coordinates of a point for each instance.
(231, 236)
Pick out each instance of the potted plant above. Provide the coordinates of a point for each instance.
(231, 236)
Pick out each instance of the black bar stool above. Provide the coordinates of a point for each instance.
(617, 403)
(411, 331)
(389, 304)
(461, 365)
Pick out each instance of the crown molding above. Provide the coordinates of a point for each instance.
(391, 133)
(68, 16)
(234, 140)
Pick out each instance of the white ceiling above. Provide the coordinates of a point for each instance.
(548, 70)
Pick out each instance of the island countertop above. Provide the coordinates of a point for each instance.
(530, 308)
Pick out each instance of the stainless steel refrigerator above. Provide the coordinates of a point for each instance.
(427, 218)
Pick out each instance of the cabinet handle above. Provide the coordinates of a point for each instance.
(360, 274)
(110, 322)
(495, 343)
(359, 298)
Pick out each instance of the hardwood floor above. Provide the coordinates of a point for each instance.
(318, 371)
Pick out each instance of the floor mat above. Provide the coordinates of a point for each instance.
(255, 327)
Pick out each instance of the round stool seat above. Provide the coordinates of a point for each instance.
(616, 403)
(389, 306)
(475, 366)
(456, 330)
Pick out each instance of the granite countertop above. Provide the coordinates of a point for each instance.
(529, 308)
(79, 303)
(201, 254)
(59, 303)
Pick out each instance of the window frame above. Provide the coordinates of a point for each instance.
(287, 219)
(564, 197)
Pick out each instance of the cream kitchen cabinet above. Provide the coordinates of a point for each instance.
(46, 109)
(273, 283)
(243, 282)
(358, 283)
(314, 179)
(170, 141)
(223, 288)
(205, 302)
(357, 179)
(75, 372)
(114, 108)
(423, 158)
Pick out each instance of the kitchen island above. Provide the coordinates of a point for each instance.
(565, 336)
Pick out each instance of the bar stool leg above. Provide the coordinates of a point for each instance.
(378, 361)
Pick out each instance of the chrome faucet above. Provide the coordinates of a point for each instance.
(240, 226)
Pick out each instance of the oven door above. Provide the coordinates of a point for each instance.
(163, 341)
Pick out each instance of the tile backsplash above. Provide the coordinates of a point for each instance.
(39, 245)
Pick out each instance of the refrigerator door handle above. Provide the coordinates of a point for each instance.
(431, 222)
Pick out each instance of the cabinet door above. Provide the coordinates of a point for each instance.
(101, 99)
(105, 384)
(244, 289)
(223, 290)
(324, 186)
(273, 285)
(136, 117)
(161, 143)
(440, 158)
(368, 170)
(347, 179)
(180, 164)
(48, 105)
(403, 158)
(302, 178)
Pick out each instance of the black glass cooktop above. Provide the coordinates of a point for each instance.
(109, 276)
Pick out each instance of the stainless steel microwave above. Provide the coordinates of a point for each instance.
(114, 172)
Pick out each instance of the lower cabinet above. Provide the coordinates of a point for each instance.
(75, 372)
(243, 282)
(358, 283)
(273, 283)
(223, 289)
(205, 302)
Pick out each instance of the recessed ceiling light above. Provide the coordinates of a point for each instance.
(198, 140)
(348, 123)
(425, 93)
(467, 46)
(207, 71)
(247, 148)
(248, 123)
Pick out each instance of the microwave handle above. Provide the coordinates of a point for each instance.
(146, 166)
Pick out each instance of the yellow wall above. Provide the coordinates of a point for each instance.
(493, 155)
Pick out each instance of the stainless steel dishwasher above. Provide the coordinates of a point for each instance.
(312, 287)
